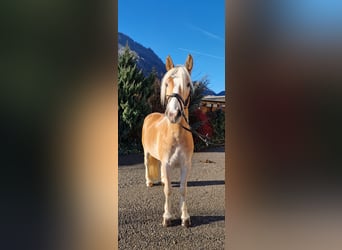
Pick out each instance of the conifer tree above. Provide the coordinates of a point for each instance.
(134, 91)
(154, 100)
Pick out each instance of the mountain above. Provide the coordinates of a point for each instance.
(147, 59)
(211, 92)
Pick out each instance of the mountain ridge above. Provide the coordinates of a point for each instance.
(148, 59)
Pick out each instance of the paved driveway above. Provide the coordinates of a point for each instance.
(141, 208)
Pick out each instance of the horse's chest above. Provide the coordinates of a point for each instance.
(174, 149)
(176, 157)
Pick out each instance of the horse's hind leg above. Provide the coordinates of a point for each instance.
(183, 188)
(149, 182)
(151, 169)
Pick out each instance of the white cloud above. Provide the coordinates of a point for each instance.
(205, 32)
(201, 53)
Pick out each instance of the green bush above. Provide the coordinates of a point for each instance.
(217, 120)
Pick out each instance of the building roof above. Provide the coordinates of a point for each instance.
(214, 98)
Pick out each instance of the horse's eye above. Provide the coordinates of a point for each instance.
(166, 85)
(188, 85)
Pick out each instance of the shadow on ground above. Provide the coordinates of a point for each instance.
(199, 183)
(131, 159)
(198, 220)
(126, 160)
(212, 149)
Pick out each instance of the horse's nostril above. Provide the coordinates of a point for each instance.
(178, 113)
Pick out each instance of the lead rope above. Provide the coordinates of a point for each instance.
(205, 139)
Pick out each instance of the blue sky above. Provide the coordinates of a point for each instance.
(177, 28)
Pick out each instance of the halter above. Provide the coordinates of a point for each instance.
(183, 104)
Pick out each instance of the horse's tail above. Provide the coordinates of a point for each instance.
(153, 168)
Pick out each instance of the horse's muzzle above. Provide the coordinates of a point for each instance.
(174, 116)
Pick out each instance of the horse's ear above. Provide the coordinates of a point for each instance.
(169, 64)
(189, 63)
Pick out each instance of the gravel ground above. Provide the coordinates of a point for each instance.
(141, 208)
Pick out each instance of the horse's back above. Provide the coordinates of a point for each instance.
(150, 129)
(152, 118)
(151, 122)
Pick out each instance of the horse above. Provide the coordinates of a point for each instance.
(167, 139)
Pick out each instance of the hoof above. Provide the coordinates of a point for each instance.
(149, 184)
(166, 222)
(186, 223)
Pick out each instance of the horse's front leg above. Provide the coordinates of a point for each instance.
(167, 191)
(162, 175)
(183, 189)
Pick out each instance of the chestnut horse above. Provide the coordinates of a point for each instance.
(167, 142)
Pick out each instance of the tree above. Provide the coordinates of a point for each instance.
(134, 91)
(198, 120)
(154, 99)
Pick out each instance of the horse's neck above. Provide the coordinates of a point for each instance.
(186, 113)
